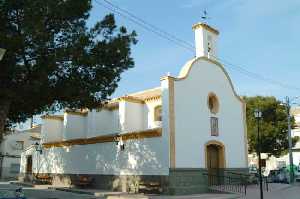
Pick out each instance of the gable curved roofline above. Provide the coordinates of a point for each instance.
(184, 72)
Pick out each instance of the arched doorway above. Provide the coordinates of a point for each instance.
(29, 164)
(215, 160)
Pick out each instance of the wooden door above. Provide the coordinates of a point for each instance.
(213, 163)
(29, 164)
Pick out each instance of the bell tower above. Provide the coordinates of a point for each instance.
(205, 40)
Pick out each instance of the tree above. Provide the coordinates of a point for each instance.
(273, 126)
(53, 57)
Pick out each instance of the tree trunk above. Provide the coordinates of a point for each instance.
(4, 108)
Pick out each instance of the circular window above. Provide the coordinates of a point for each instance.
(213, 103)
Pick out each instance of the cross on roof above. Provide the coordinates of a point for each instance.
(205, 16)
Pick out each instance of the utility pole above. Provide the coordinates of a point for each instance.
(258, 115)
(288, 107)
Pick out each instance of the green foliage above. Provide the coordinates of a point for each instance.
(273, 125)
(54, 58)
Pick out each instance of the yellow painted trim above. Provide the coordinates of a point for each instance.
(144, 91)
(157, 132)
(53, 117)
(222, 157)
(79, 113)
(131, 99)
(188, 66)
(244, 106)
(167, 78)
(151, 133)
(111, 106)
(172, 122)
(171, 118)
(205, 26)
(153, 98)
(215, 109)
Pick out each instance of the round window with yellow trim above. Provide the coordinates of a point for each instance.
(213, 103)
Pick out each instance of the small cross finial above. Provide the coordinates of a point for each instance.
(205, 16)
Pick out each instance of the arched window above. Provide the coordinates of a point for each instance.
(213, 103)
(157, 113)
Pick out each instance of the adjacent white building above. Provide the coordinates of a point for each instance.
(12, 145)
(171, 134)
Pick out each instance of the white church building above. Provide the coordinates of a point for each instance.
(167, 136)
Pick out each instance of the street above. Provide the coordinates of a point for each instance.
(38, 193)
(277, 191)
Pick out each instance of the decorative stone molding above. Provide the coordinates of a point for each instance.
(79, 113)
(221, 146)
(153, 98)
(131, 99)
(205, 26)
(150, 133)
(53, 117)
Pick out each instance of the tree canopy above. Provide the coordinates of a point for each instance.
(53, 57)
(273, 125)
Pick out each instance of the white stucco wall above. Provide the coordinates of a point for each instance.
(52, 130)
(8, 145)
(165, 89)
(202, 38)
(75, 126)
(192, 117)
(12, 153)
(142, 157)
(103, 122)
(9, 166)
(131, 116)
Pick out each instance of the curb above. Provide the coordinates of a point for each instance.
(105, 195)
(72, 190)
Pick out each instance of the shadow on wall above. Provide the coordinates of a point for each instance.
(140, 157)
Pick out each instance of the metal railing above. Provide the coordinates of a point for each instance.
(265, 179)
(224, 183)
(265, 183)
(233, 182)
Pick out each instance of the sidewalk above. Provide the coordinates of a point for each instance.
(199, 196)
(276, 191)
(121, 195)
(94, 192)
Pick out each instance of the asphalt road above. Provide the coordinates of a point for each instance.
(33, 193)
(278, 191)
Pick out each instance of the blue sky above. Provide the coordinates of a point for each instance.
(260, 36)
